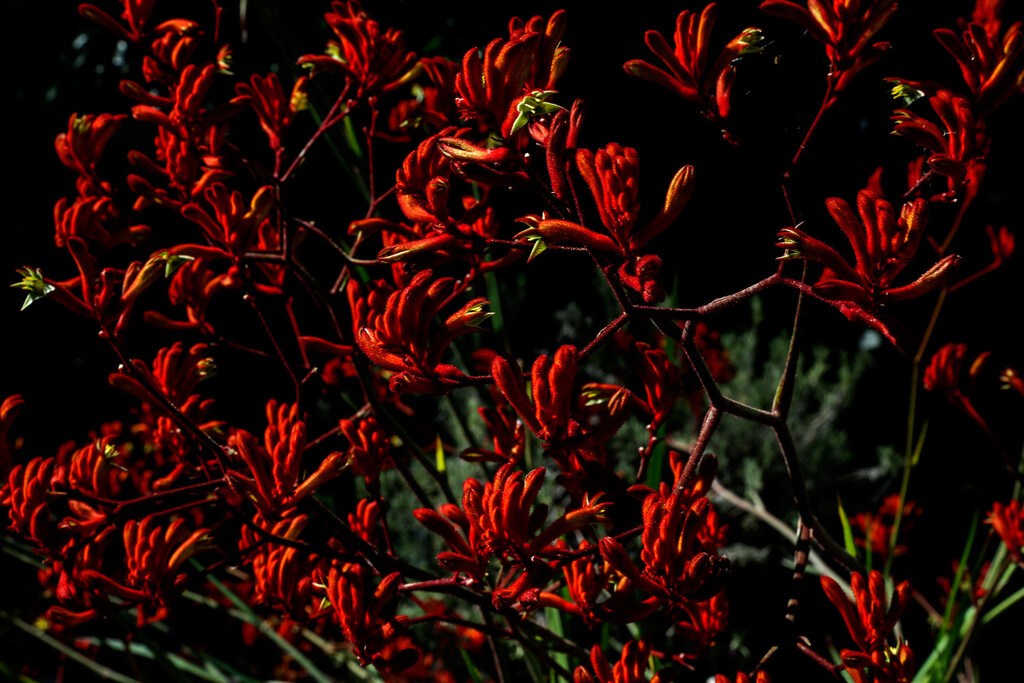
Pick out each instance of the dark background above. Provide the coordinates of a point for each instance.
(58, 64)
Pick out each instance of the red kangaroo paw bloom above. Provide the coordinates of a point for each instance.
(1008, 521)
(507, 433)
(543, 232)
(8, 411)
(189, 139)
(676, 567)
(701, 624)
(870, 620)
(193, 286)
(434, 104)
(285, 442)
(466, 553)
(154, 556)
(508, 521)
(374, 59)
(587, 578)
(283, 576)
(233, 225)
(559, 140)
(422, 182)
(489, 87)
(548, 414)
(612, 175)
(94, 220)
(396, 336)
(663, 383)
(882, 244)
(944, 374)
(358, 607)
(274, 109)
(631, 667)
(876, 527)
(97, 469)
(499, 519)
(844, 27)
(762, 677)
(488, 166)
(81, 147)
(136, 14)
(989, 62)
(27, 494)
(688, 73)
(960, 144)
(176, 372)
(369, 449)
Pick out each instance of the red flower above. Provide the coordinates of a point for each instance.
(422, 182)
(489, 87)
(234, 224)
(876, 527)
(499, 519)
(676, 567)
(81, 147)
(27, 496)
(434, 104)
(8, 411)
(369, 449)
(285, 441)
(136, 14)
(631, 667)
(701, 624)
(844, 27)
(613, 177)
(396, 336)
(882, 244)
(956, 147)
(663, 383)
(944, 374)
(282, 575)
(989, 62)
(275, 111)
(870, 620)
(762, 677)
(359, 607)
(374, 59)
(548, 412)
(508, 437)
(688, 72)
(154, 554)
(1008, 521)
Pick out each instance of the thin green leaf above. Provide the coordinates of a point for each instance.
(916, 455)
(848, 542)
(657, 463)
(955, 586)
(474, 673)
(265, 629)
(104, 672)
(554, 617)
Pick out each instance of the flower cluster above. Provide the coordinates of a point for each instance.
(348, 423)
